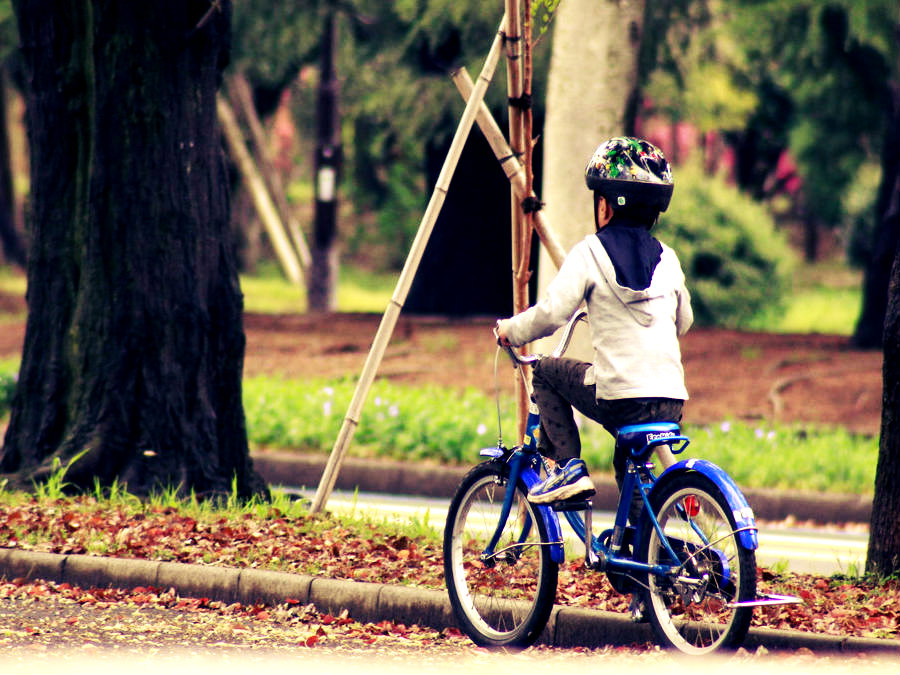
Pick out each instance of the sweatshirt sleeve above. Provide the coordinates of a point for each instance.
(562, 298)
(684, 314)
(684, 317)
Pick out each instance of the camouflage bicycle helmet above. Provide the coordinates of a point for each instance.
(630, 172)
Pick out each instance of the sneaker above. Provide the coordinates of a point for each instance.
(566, 482)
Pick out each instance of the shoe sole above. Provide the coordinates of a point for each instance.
(582, 487)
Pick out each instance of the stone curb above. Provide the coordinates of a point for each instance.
(420, 479)
(369, 602)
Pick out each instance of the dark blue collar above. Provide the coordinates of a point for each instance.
(634, 253)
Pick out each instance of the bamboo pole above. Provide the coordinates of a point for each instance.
(239, 91)
(257, 187)
(510, 164)
(523, 273)
(513, 42)
(389, 320)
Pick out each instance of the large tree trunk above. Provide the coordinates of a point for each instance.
(886, 237)
(593, 71)
(134, 344)
(884, 532)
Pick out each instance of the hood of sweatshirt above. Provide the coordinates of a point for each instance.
(628, 257)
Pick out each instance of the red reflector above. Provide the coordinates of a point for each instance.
(692, 506)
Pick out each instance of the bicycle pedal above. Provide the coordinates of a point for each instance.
(596, 561)
(638, 612)
(580, 504)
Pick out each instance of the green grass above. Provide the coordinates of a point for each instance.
(424, 423)
(270, 293)
(358, 291)
(400, 422)
(827, 299)
(430, 424)
(12, 282)
(832, 311)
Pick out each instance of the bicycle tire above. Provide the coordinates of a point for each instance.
(692, 612)
(504, 601)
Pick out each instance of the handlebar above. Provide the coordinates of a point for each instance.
(560, 349)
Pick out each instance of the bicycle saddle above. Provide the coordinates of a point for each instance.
(640, 439)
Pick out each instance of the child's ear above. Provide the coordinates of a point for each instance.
(604, 212)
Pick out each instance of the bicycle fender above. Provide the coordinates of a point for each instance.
(551, 520)
(740, 508)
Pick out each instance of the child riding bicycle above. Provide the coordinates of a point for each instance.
(638, 307)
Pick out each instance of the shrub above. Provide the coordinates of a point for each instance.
(737, 265)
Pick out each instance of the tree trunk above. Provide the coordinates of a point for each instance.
(593, 70)
(886, 237)
(322, 294)
(883, 557)
(134, 343)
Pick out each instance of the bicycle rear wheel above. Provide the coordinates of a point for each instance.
(503, 599)
(693, 610)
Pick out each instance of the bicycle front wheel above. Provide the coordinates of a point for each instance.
(694, 609)
(501, 597)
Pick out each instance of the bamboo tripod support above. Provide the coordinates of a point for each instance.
(391, 314)
(510, 164)
(257, 187)
(242, 98)
(516, 87)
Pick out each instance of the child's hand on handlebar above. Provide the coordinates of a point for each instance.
(500, 332)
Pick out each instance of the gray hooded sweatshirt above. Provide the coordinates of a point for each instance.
(634, 331)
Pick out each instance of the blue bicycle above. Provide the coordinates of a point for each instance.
(689, 561)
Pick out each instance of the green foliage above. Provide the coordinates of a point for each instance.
(696, 73)
(788, 457)
(432, 424)
(8, 37)
(55, 485)
(542, 12)
(832, 62)
(400, 422)
(396, 100)
(816, 309)
(737, 265)
(9, 377)
(358, 291)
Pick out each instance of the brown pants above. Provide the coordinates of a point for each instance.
(559, 386)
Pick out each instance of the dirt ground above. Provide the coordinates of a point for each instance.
(731, 375)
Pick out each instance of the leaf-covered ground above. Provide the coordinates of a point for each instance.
(268, 538)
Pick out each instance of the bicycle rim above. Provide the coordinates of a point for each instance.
(692, 611)
(503, 600)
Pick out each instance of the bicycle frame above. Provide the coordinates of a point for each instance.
(525, 462)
